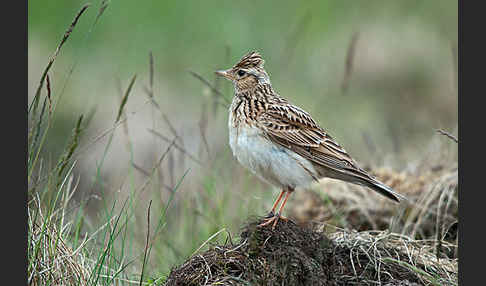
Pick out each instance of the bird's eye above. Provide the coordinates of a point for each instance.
(241, 72)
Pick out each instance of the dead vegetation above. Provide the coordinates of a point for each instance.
(430, 213)
(52, 260)
(295, 255)
(56, 262)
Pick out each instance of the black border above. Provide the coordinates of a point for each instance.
(471, 203)
(14, 141)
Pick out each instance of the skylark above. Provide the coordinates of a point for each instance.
(280, 142)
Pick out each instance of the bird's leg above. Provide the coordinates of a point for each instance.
(271, 216)
(274, 219)
(272, 212)
(279, 214)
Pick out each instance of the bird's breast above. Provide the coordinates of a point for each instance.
(270, 162)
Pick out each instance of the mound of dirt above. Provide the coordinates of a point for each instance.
(295, 255)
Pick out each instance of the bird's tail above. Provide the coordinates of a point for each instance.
(360, 177)
(382, 189)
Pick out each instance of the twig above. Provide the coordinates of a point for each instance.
(151, 73)
(125, 123)
(454, 65)
(171, 126)
(175, 145)
(157, 165)
(207, 83)
(228, 63)
(150, 90)
(53, 57)
(109, 130)
(103, 6)
(207, 240)
(147, 174)
(349, 62)
(447, 134)
(141, 170)
(152, 99)
(203, 123)
(124, 99)
(48, 87)
(146, 242)
(296, 36)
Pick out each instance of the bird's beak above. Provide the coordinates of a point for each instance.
(224, 73)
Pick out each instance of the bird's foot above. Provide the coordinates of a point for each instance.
(272, 218)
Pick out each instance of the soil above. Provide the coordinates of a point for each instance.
(295, 255)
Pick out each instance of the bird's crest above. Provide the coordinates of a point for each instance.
(250, 60)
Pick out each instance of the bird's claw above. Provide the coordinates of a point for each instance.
(272, 218)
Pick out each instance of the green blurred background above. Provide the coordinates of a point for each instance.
(403, 87)
(405, 56)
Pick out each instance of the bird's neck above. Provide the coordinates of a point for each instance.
(260, 92)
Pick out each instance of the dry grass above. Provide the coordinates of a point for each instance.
(56, 262)
(51, 260)
(383, 252)
(431, 210)
(294, 255)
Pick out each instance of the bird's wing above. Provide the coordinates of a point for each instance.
(293, 128)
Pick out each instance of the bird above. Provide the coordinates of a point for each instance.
(280, 142)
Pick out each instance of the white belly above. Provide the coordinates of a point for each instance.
(271, 163)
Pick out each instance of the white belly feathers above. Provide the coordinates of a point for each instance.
(271, 163)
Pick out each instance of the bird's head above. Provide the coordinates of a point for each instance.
(247, 73)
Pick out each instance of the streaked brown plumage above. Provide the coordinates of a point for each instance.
(280, 142)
